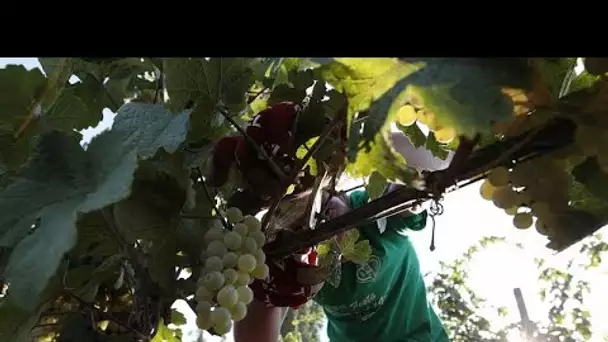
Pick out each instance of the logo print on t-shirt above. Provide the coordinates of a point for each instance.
(368, 271)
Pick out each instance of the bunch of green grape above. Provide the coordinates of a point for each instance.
(538, 188)
(408, 115)
(231, 260)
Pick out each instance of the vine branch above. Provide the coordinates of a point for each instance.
(258, 94)
(551, 137)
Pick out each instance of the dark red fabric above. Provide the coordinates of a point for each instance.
(271, 129)
(223, 159)
(281, 288)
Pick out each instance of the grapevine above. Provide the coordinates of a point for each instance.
(96, 237)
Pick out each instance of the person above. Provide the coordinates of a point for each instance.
(383, 299)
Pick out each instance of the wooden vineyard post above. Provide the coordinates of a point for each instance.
(523, 314)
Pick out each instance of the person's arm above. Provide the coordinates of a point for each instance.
(261, 324)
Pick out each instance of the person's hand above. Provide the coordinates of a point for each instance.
(282, 288)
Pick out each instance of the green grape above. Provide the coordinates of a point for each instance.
(406, 115)
(230, 276)
(241, 229)
(253, 224)
(216, 248)
(203, 323)
(233, 240)
(505, 197)
(260, 256)
(230, 259)
(511, 211)
(499, 176)
(487, 190)
(234, 215)
(427, 118)
(214, 263)
(214, 233)
(223, 329)
(220, 317)
(203, 308)
(523, 220)
(249, 245)
(243, 278)
(258, 237)
(239, 311)
(246, 263)
(214, 281)
(245, 294)
(227, 296)
(445, 135)
(541, 227)
(201, 280)
(202, 293)
(260, 271)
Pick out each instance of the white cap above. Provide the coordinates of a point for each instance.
(419, 158)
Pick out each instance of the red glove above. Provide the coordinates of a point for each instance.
(282, 288)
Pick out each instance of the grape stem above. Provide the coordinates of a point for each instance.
(201, 180)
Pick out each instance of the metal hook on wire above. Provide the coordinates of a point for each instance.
(435, 209)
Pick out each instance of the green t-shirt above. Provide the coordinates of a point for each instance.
(385, 299)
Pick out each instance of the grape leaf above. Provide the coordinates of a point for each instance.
(435, 147)
(303, 150)
(380, 155)
(62, 180)
(414, 133)
(354, 250)
(321, 61)
(71, 111)
(207, 85)
(161, 259)
(324, 248)
(594, 179)
(15, 323)
(376, 86)
(13, 152)
(335, 102)
(284, 92)
(364, 80)
(177, 318)
(469, 93)
(77, 327)
(19, 89)
(310, 122)
(375, 185)
(58, 72)
(164, 334)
